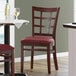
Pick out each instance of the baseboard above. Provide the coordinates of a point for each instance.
(38, 57)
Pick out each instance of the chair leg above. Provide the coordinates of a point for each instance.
(48, 59)
(22, 58)
(32, 56)
(55, 59)
(12, 64)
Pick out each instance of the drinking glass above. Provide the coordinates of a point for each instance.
(17, 12)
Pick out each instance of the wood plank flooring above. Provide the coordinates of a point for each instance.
(40, 68)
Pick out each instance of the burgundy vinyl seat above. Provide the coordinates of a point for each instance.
(43, 35)
(37, 39)
(8, 52)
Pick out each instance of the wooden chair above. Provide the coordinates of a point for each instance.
(7, 52)
(44, 24)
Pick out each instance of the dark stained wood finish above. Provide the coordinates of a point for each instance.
(44, 15)
(7, 52)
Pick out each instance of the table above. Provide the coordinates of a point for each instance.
(7, 24)
(71, 47)
(69, 25)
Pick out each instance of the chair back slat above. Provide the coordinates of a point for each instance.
(44, 21)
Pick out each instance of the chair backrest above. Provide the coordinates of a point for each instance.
(44, 21)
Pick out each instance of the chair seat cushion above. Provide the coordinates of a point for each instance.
(38, 39)
(5, 47)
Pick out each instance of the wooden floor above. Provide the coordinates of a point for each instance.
(40, 68)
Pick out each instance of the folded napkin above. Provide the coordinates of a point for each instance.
(19, 23)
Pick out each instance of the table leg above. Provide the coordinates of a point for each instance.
(6, 41)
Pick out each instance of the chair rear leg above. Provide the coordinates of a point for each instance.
(32, 56)
(55, 59)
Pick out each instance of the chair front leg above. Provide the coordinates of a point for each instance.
(12, 64)
(48, 59)
(22, 58)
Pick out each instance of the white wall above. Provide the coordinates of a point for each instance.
(72, 46)
(12, 28)
(72, 51)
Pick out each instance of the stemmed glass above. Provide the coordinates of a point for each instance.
(17, 12)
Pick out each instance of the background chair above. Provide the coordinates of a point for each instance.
(44, 24)
(7, 52)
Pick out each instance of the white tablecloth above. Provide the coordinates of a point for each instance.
(18, 23)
